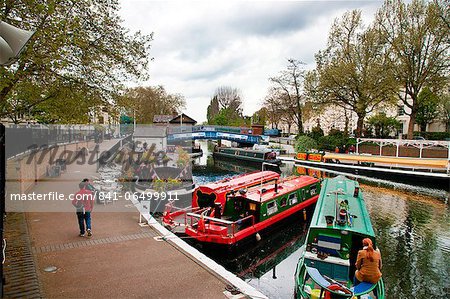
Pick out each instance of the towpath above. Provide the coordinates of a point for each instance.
(120, 260)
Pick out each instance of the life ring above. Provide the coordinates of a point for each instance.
(336, 287)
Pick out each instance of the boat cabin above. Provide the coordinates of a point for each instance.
(267, 200)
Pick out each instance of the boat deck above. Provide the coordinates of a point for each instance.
(420, 162)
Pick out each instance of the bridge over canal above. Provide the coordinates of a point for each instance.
(236, 134)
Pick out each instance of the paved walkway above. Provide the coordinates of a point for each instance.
(120, 260)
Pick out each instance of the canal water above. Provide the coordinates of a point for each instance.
(412, 227)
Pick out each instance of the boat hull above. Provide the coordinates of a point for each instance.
(250, 231)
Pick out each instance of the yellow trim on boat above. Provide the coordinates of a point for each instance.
(389, 160)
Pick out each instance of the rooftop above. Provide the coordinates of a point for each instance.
(333, 192)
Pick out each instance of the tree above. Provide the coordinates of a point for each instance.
(382, 125)
(260, 116)
(212, 110)
(445, 110)
(225, 107)
(289, 86)
(146, 102)
(80, 52)
(427, 108)
(273, 107)
(352, 72)
(416, 37)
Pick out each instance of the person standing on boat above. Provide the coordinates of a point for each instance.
(83, 201)
(368, 264)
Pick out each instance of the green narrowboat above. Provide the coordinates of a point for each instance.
(339, 224)
(250, 155)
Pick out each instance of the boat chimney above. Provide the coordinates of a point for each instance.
(329, 220)
(356, 192)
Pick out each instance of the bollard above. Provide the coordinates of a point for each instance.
(304, 214)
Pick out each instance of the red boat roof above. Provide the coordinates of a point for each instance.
(242, 180)
(288, 185)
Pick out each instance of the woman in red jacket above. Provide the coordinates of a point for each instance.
(84, 202)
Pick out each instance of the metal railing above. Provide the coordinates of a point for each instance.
(232, 227)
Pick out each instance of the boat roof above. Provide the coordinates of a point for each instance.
(343, 188)
(426, 162)
(241, 181)
(250, 150)
(288, 185)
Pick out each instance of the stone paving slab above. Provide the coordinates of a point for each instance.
(91, 242)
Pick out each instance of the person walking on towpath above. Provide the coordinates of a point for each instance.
(83, 201)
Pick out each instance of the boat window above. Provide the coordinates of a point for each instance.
(283, 202)
(272, 207)
(313, 190)
(292, 199)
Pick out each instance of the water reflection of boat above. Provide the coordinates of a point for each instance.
(300, 170)
(338, 226)
(256, 258)
(236, 166)
(232, 210)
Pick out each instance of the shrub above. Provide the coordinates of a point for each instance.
(433, 135)
(316, 133)
(330, 142)
(305, 143)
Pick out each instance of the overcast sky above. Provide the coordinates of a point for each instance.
(201, 45)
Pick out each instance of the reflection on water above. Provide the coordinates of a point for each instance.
(412, 231)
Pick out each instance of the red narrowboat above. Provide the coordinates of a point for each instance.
(229, 213)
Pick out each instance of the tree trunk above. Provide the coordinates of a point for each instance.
(423, 127)
(346, 122)
(300, 125)
(412, 121)
(360, 125)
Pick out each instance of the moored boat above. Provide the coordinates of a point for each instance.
(229, 213)
(339, 224)
(427, 172)
(249, 155)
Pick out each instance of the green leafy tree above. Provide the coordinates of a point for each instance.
(427, 109)
(352, 72)
(445, 110)
(146, 102)
(80, 52)
(316, 132)
(260, 116)
(382, 125)
(416, 36)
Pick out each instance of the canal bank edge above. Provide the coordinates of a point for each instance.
(204, 261)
